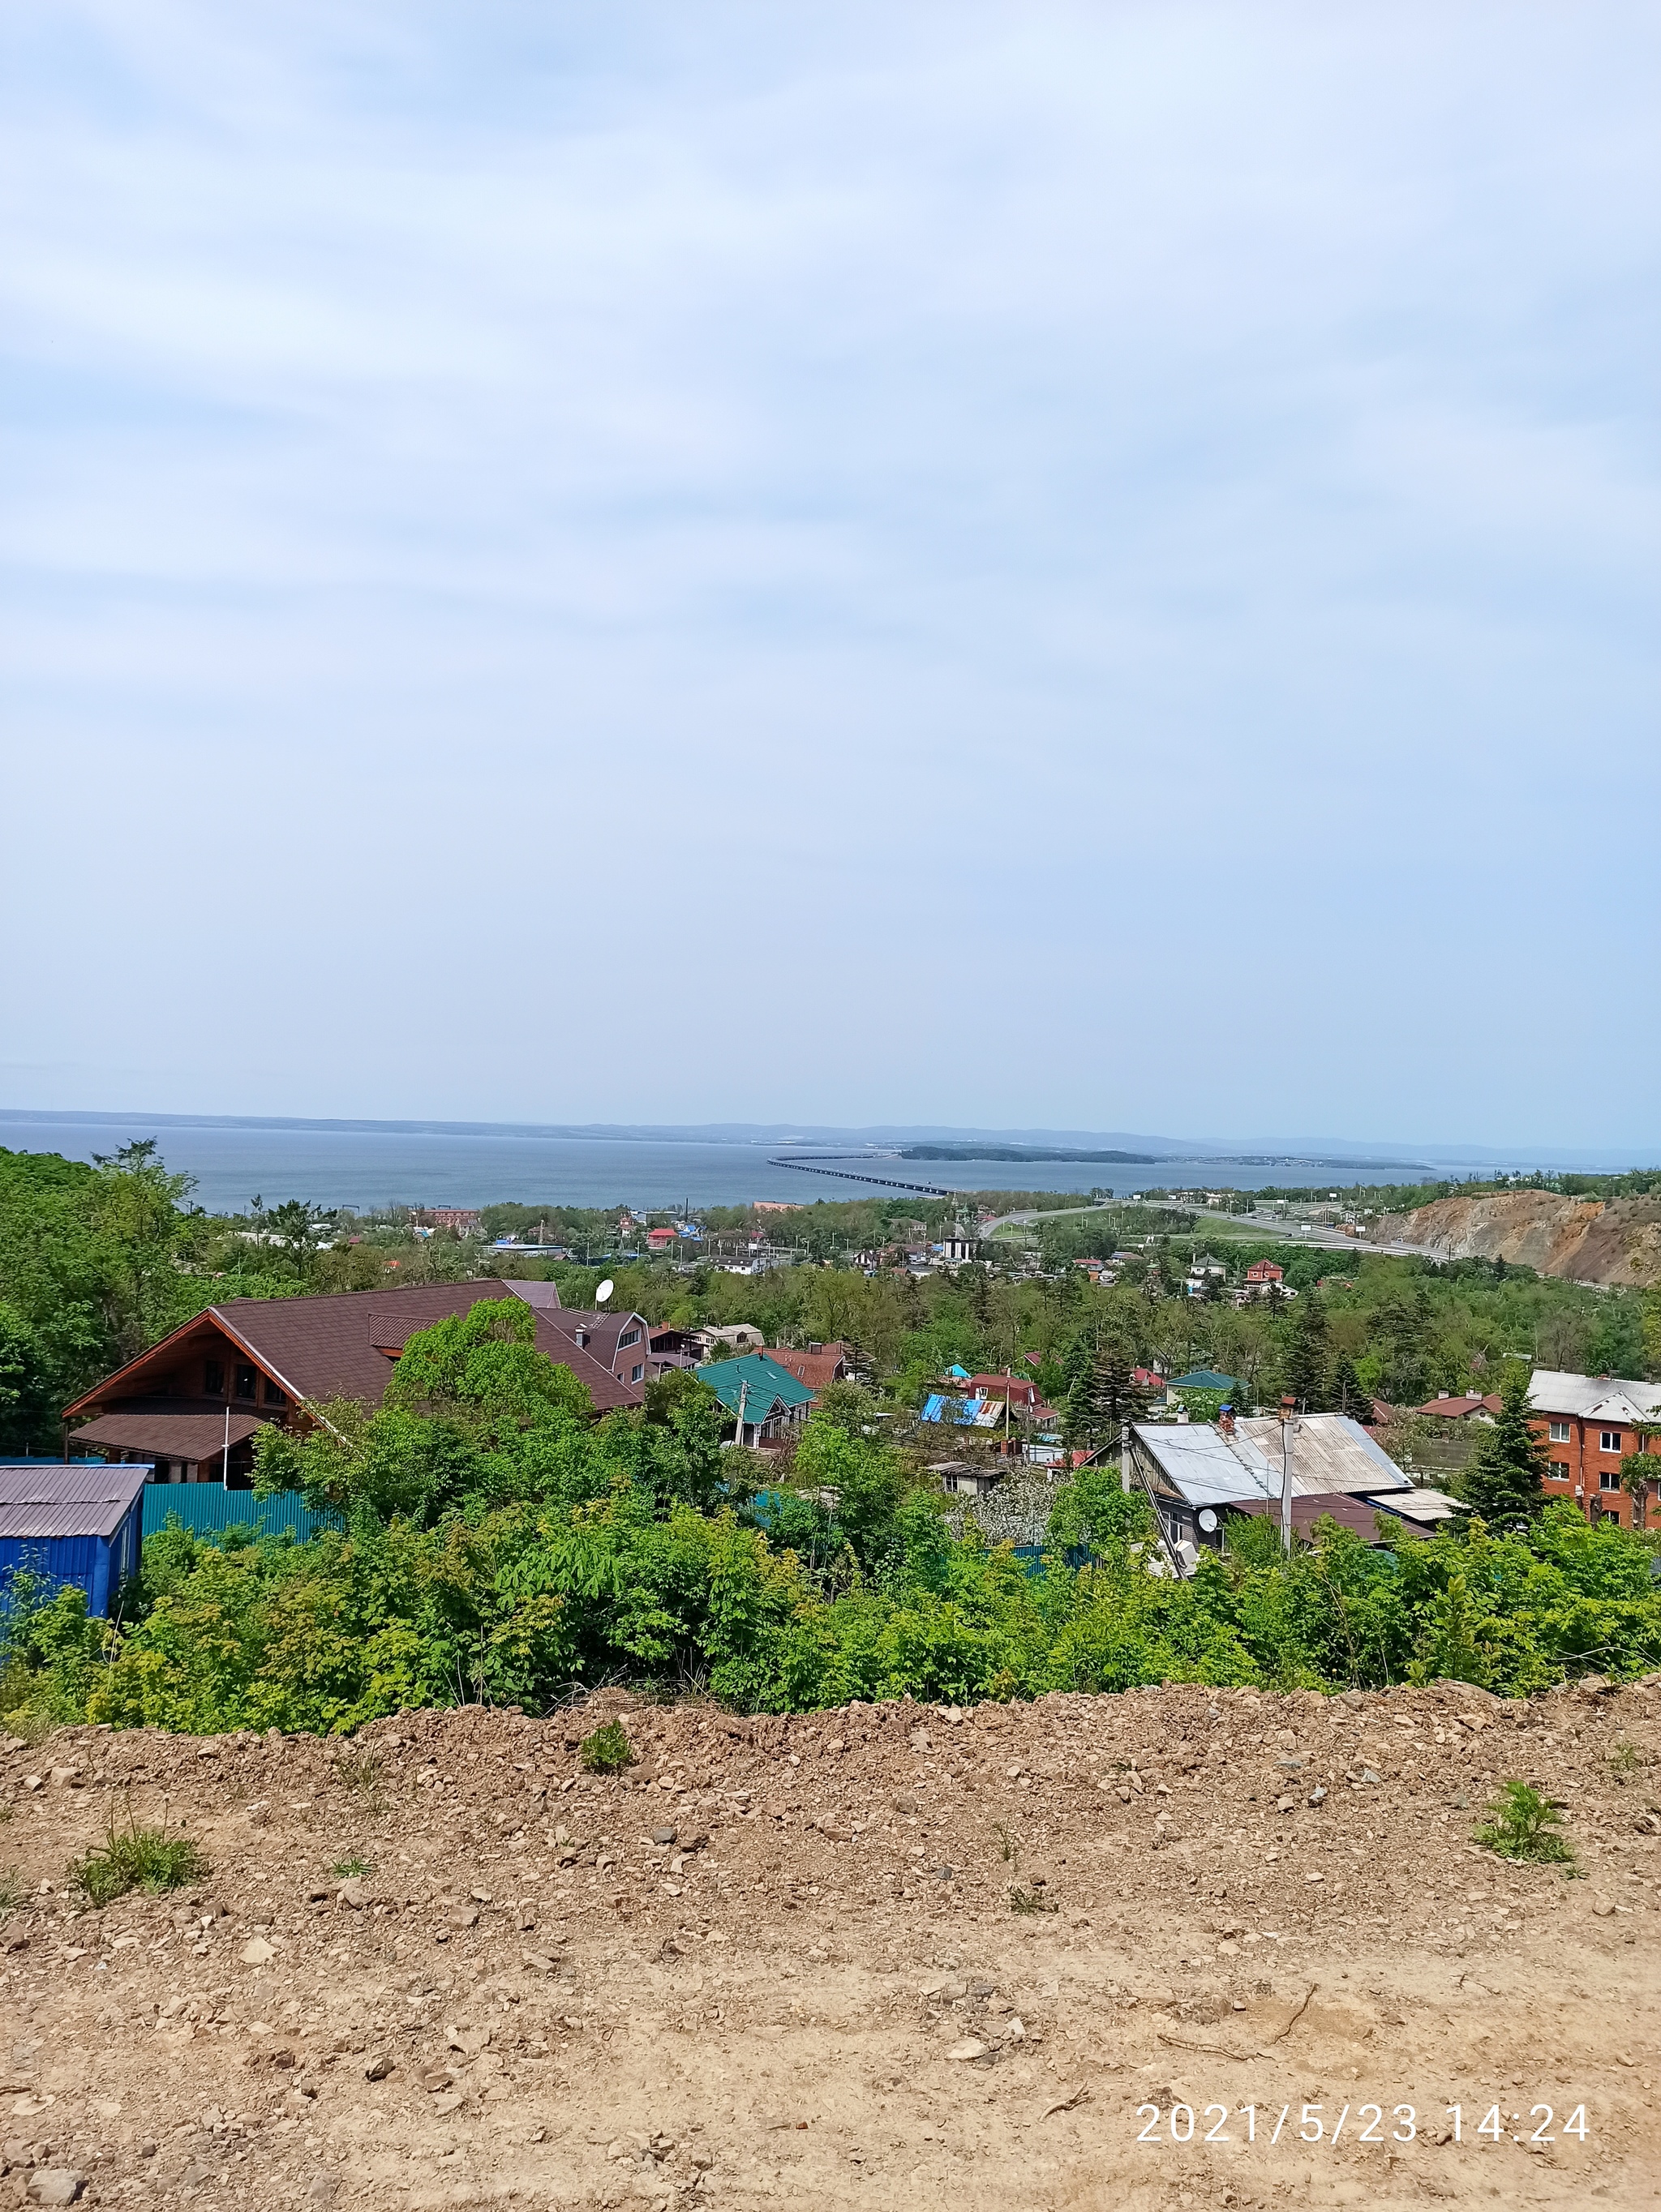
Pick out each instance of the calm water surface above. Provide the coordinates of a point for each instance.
(388, 1165)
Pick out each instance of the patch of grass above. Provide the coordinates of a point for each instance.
(131, 1857)
(15, 1892)
(1008, 1850)
(342, 1869)
(607, 1750)
(1624, 1760)
(1523, 1824)
(30, 1724)
(361, 1772)
(1024, 1900)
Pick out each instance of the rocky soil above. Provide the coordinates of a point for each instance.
(1583, 1240)
(889, 1955)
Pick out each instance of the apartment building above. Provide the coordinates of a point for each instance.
(1590, 1423)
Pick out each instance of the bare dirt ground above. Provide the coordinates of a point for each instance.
(890, 1955)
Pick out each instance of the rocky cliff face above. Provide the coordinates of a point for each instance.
(1584, 1240)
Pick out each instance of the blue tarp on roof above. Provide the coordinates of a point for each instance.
(960, 1412)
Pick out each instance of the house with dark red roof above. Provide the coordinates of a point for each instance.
(194, 1403)
(818, 1367)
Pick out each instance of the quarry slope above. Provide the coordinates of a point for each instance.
(1616, 1243)
(888, 1956)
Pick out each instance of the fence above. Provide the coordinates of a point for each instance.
(208, 1510)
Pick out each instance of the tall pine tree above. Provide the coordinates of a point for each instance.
(1118, 1396)
(1307, 1364)
(1504, 1480)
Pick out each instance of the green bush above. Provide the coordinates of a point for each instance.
(1523, 1825)
(607, 1749)
(497, 1548)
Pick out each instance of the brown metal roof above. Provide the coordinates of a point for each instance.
(340, 1345)
(1356, 1513)
(163, 1435)
(817, 1370)
(40, 1502)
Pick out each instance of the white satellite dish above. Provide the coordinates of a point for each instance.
(1207, 1520)
(604, 1292)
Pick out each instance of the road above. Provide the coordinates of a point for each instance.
(1324, 1239)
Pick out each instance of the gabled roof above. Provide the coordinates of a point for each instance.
(1460, 1408)
(817, 1370)
(1329, 1451)
(40, 1502)
(341, 1346)
(1594, 1397)
(761, 1381)
(1330, 1454)
(1205, 1378)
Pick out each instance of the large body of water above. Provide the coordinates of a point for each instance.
(367, 1166)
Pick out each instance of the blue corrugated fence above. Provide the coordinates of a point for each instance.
(208, 1510)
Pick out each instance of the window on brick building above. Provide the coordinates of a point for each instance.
(1560, 1470)
(1608, 1478)
(1559, 1432)
(1609, 1440)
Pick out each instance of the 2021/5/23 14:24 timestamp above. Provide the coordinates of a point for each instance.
(1316, 2125)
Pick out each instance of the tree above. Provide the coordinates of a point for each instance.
(1306, 1368)
(25, 1393)
(1617, 1345)
(1118, 1396)
(1349, 1395)
(1504, 1480)
(1639, 1472)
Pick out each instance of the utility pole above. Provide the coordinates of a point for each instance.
(1124, 1457)
(1288, 1424)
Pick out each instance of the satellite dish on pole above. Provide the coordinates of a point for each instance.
(604, 1292)
(1207, 1520)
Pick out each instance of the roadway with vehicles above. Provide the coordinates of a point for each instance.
(1322, 1236)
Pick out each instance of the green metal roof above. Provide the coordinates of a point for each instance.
(1205, 1378)
(770, 1385)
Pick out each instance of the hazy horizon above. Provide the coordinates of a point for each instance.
(1044, 563)
(1338, 1152)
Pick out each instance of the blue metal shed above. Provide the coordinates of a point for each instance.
(71, 1524)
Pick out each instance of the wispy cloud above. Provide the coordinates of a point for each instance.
(1131, 525)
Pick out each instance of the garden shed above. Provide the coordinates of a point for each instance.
(71, 1524)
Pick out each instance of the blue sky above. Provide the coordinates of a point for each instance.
(1037, 566)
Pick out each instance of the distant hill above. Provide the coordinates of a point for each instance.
(1615, 1242)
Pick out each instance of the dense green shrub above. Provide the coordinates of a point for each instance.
(500, 1546)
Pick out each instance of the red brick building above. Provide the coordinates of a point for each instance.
(1589, 1423)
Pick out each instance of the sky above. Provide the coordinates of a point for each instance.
(1085, 567)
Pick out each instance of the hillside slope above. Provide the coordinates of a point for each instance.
(1584, 1240)
(822, 1991)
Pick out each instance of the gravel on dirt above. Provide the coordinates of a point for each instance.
(890, 1954)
